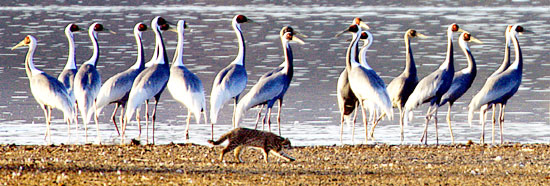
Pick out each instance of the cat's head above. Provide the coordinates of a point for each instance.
(285, 143)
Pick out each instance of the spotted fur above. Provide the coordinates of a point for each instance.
(266, 141)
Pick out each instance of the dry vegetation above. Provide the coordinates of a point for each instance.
(187, 164)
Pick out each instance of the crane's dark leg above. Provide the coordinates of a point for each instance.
(259, 116)
(482, 121)
(96, 123)
(449, 122)
(147, 121)
(49, 124)
(268, 115)
(502, 107)
(45, 109)
(494, 123)
(155, 116)
(187, 127)
(76, 116)
(401, 114)
(121, 114)
(279, 115)
(235, 110)
(113, 117)
(342, 120)
(354, 119)
(435, 122)
(365, 120)
(425, 133)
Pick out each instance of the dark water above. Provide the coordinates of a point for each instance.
(310, 115)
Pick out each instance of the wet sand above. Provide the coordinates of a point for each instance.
(188, 164)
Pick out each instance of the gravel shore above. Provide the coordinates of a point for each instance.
(189, 164)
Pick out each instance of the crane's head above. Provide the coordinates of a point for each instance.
(182, 25)
(161, 24)
(366, 36)
(139, 28)
(97, 27)
(466, 36)
(354, 28)
(292, 30)
(517, 29)
(29, 40)
(413, 33)
(71, 27)
(289, 36)
(455, 28)
(359, 21)
(242, 19)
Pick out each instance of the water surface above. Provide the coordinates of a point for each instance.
(310, 115)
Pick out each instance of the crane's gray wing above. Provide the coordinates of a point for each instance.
(497, 87)
(49, 91)
(425, 90)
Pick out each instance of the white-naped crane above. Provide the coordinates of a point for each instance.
(184, 85)
(117, 88)
(272, 86)
(87, 83)
(150, 83)
(46, 90)
(500, 88)
(432, 87)
(231, 81)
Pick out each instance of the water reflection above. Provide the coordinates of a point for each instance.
(310, 113)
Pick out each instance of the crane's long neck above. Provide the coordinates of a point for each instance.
(471, 61)
(30, 69)
(506, 60)
(155, 53)
(95, 55)
(239, 60)
(518, 63)
(71, 63)
(140, 54)
(351, 54)
(410, 66)
(448, 64)
(178, 56)
(289, 65)
(363, 56)
(162, 58)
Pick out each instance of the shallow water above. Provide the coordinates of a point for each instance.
(310, 114)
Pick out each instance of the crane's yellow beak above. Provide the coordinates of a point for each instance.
(422, 35)
(475, 40)
(298, 40)
(20, 44)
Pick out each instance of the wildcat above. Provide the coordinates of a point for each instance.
(266, 141)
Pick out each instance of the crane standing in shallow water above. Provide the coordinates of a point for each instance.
(117, 88)
(272, 86)
(505, 64)
(432, 87)
(401, 87)
(88, 82)
(499, 88)
(66, 77)
(47, 91)
(230, 82)
(463, 79)
(347, 101)
(185, 86)
(150, 83)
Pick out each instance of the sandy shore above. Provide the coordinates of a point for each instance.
(187, 164)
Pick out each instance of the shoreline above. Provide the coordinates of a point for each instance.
(191, 164)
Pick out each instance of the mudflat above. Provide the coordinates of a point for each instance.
(189, 164)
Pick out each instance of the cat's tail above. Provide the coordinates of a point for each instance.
(219, 141)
